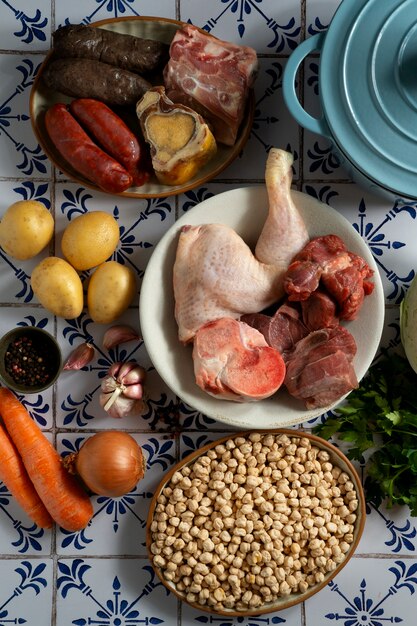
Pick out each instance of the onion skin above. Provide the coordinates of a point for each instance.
(110, 463)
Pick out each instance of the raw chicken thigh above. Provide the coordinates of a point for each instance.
(215, 272)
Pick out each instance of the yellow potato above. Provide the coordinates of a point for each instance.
(58, 287)
(111, 289)
(90, 239)
(25, 229)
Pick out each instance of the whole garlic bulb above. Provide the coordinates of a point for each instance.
(122, 390)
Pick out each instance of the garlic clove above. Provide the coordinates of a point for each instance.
(81, 356)
(120, 333)
(135, 392)
(134, 376)
(125, 370)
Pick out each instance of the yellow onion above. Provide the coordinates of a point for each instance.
(110, 463)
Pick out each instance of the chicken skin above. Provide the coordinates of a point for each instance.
(217, 275)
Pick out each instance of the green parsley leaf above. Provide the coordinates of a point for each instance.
(380, 417)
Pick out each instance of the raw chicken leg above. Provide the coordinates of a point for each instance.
(217, 275)
(234, 362)
(284, 232)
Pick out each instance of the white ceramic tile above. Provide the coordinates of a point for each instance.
(26, 591)
(388, 531)
(86, 12)
(273, 126)
(26, 25)
(319, 14)
(367, 591)
(20, 153)
(111, 591)
(19, 536)
(267, 25)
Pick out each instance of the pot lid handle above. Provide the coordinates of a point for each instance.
(313, 124)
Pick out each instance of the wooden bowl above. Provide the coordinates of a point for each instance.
(162, 29)
(337, 458)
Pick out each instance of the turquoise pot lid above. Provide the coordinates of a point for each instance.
(368, 87)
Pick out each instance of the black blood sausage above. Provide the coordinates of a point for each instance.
(86, 78)
(129, 52)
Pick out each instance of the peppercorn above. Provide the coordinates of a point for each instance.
(27, 362)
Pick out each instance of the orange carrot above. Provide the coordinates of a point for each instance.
(14, 475)
(65, 499)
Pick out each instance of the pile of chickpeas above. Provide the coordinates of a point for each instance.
(252, 520)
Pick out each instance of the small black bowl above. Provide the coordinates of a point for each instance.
(42, 345)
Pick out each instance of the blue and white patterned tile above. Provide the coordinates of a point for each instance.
(320, 160)
(118, 525)
(266, 25)
(26, 591)
(273, 126)
(25, 26)
(389, 531)
(289, 617)
(88, 11)
(111, 592)
(20, 153)
(19, 536)
(319, 14)
(358, 596)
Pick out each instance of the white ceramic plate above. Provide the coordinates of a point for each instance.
(161, 29)
(245, 210)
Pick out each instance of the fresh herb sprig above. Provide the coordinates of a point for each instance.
(379, 421)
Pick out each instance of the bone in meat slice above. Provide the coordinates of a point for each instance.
(232, 361)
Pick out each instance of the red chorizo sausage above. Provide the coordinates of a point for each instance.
(73, 143)
(111, 132)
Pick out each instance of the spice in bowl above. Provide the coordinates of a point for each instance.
(30, 359)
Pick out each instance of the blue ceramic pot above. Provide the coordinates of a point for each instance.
(368, 93)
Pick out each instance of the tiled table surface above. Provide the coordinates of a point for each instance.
(101, 575)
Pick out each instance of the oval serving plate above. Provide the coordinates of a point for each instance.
(337, 458)
(162, 29)
(245, 210)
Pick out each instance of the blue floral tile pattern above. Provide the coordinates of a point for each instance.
(101, 575)
(26, 591)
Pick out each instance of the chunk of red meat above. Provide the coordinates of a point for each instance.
(282, 330)
(325, 261)
(213, 75)
(320, 370)
(319, 311)
(346, 287)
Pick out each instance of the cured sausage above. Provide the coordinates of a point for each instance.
(86, 78)
(79, 150)
(135, 54)
(111, 132)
